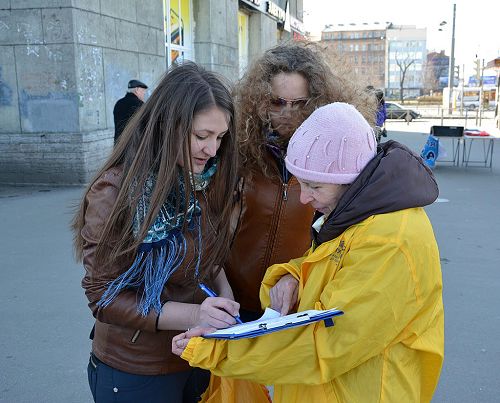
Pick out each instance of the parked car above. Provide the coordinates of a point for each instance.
(396, 111)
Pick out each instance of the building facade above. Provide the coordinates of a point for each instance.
(363, 46)
(436, 72)
(65, 63)
(381, 54)
(406, 56)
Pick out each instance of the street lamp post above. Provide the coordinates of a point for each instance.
(452, 63)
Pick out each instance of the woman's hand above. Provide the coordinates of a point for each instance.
(217, 312)
(284, 294)
(180, 341)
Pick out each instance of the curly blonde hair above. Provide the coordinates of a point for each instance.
(328, 81)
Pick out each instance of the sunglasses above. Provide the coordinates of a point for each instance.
(293, 103)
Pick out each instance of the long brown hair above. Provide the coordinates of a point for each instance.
(151, 143)
(326, 84)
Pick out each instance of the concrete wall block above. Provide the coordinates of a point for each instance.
(96, 152)
(109, 31)
(90, 5)
(227, 56)
(226, 71)
(262, 30)
(25, 161)
(95, 136)
(4, 4)
(201, 14)
(127, 34)
(39, 3)
(57, 159)
(218, 20)
(87, 27)
(9, 110)
(150, 12)
(146, 39)
(216, 35)
(108, 26)
(90, 83)
(12, 139)
(151, 69)
(119, 68)
(160, 42)
(57, 25)
(122, 9)
(268, 33)
(18, 27)
(231, 35)
(204, 54)
(48, 97)
(93, 29)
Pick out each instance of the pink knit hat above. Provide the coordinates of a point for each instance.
(333, 145)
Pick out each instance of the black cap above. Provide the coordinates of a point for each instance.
(136, 83)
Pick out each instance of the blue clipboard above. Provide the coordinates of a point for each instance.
(271, 322)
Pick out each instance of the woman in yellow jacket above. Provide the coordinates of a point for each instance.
(373, 255)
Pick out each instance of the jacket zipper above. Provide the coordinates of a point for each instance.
(274, 227)
(136, 335)
(285, 191)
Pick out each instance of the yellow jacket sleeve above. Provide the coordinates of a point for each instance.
(378, 289)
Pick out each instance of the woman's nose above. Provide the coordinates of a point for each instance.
(211, 147)
(286, 110)
(305, 197)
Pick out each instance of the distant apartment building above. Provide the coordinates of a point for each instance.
(363, 46)
(406, 56)
(436, 72)
(382, 53)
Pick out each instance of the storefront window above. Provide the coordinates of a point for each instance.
(178, 30)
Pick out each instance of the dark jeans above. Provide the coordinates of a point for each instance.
(111, 385)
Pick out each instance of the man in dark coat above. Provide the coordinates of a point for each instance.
(126, 106)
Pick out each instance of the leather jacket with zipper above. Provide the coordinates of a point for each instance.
(122, 338)
(272, 226)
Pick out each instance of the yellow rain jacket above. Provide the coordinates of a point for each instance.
(384, 272)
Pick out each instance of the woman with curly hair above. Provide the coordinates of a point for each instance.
(152, 233)
(279, 91)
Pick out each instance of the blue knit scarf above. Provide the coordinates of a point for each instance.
(164, 248)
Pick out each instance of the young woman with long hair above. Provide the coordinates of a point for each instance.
(151, 228)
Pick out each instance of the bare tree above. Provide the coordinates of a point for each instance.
(403, 65)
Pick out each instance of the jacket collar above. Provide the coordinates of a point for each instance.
(395, 179)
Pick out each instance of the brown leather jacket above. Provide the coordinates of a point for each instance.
(123, 338)
(273, 226)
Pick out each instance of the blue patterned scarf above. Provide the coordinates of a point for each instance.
(164, 248)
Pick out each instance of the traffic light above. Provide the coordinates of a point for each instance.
(477, 69)
(457, 72)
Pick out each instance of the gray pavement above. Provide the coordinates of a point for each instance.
(466, 222)
(45, 321)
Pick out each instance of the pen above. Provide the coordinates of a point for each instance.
(211, 293)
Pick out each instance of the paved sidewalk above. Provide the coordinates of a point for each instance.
(45, 321)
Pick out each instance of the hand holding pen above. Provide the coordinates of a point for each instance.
(218, 312)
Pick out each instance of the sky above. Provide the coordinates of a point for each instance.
(477, 24)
